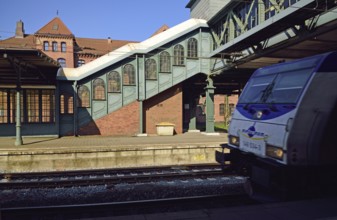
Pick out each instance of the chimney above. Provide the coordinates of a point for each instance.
(19, 32)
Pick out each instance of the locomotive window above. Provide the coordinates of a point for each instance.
(254, 88)
(285, 87)
(288, 86)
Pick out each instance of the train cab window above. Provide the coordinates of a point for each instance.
(288, 86)
(284, 87)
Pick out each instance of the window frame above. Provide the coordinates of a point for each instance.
(129, 76)
(62, 62)
(66, 104)
(192, 48)
(178, 55)
(81, 91)
(114, 77)
(151, 69)
(98, 89)
(165, 62)
(80, 62)
(45, 46)
(54, 46)
(63, 47)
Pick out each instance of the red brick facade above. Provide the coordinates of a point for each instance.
(123, 122)
(165, 107)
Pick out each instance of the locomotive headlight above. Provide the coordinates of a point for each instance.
(234, 140)
(274, 152)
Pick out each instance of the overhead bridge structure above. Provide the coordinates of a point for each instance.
(195, 58)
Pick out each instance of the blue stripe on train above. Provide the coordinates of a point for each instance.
(269, 111)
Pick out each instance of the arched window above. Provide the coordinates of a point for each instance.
(150, 69)
(45, 45)
(114, 82)
(165, 62)
(80, 63)
(55, 46)
(99, 89)
(63, 47)
(62, 62)
(178, 55)
(129, 77)
(66, 104)
(83, 96)
(192, 48)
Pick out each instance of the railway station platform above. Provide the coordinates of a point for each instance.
(39, 154)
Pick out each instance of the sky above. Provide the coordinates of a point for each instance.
(134, 20)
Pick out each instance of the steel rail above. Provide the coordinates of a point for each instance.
(107, 177)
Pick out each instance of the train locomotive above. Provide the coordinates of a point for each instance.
(282, 132)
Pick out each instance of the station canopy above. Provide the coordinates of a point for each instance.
(26, 67)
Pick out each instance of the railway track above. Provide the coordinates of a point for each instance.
(108, 176)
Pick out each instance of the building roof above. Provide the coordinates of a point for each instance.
(161, 29)
(37, 68)
(98, 47)
(55, 27)
(21, 43)
(131, 49)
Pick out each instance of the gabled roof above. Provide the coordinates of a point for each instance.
(55, 27)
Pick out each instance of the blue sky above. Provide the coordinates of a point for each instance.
(119, 19)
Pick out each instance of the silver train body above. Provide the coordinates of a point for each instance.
(283, 130)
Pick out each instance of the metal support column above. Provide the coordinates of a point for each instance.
(209, 105)
(192, 126)
(18, 140)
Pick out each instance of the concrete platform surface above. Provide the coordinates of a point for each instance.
(7, 143)
(39, 154)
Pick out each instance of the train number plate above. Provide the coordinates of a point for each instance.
(256, 146)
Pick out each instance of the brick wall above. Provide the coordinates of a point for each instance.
(123, 122)
(164, 107)
(68, 55)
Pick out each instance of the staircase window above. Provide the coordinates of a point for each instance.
(114, 82)
(192, 48)
(129, 75)
(165, 62)
(83, 96)
(99, 89)
(151, 69)
(178, 55)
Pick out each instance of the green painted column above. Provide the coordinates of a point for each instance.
(18, 140)
(192, 126)
(209, 106)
